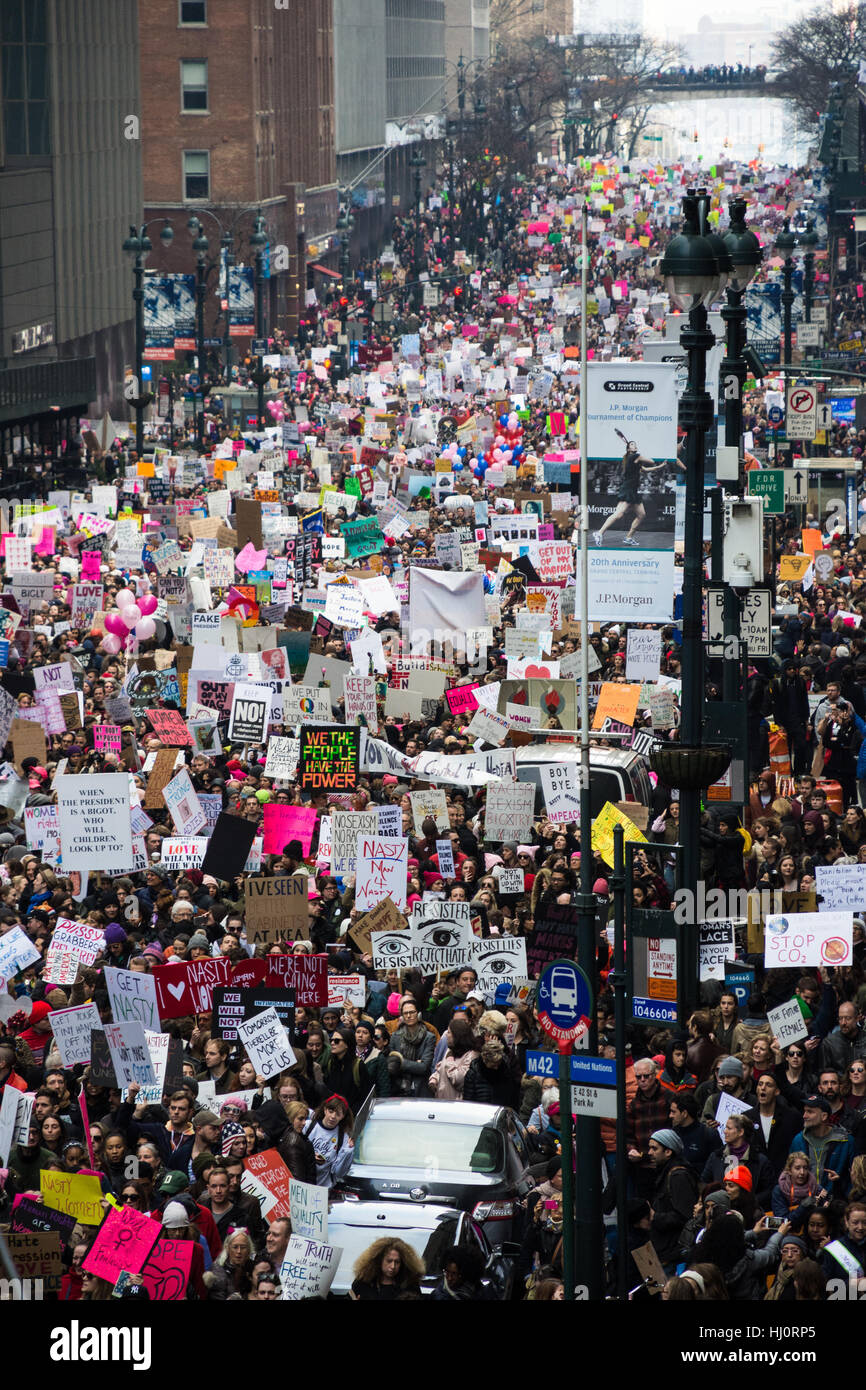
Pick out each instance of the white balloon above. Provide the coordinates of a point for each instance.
(124, 598)
(145, 629)
(131, 615)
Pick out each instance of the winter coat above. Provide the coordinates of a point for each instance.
(491, 1085)
(410, 1060)
(673, 1201)
(299, 1156)
(835, 1150)
(349, 1078)
(747, 1280)
(448, 1079)
(763, 1177)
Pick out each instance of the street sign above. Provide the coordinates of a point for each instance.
(564, 1001)
(825, 415)
(651, 1011)
(194, 380)
(768, 483)
(775, 415)
(756, 626)
(591, 1071)
(796, 483)
(801, 417)
(808, 335)
(260, 347)
(599, 1101)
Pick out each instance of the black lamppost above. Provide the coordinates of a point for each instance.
(695, 270)
(137, 246)
(200, 247)
(345, 223)
(417, 162)
(786, 243)
(745, 252)
(258, 241)
(808, 240)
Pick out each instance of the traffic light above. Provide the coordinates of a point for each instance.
(458, 291)
(327, 364)
(344, 301)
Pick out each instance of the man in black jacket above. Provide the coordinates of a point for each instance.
(791, 710)
(698, 1140)
(674, 1196)
(776, 1122)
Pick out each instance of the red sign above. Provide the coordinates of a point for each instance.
(166, 1274)
(248, 973)
(273, 1174)
(170, 726)
(306, 975)
(187, 988)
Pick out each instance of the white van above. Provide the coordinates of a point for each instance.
(616, 774)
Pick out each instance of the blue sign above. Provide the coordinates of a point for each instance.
(741, 983)
(564, 1001)
(146, 371)
(4, 653)
(775, 415)
(652, 1011)
(585, 1070)
(194, 380)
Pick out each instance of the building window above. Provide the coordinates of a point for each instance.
(196, 175)
(26, 129)
(193, 85)
(193, 11)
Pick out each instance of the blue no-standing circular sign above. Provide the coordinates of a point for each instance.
(564, 1001)
(775, 415)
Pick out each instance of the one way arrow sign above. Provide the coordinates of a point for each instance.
(796, 484)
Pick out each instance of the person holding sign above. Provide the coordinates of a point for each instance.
(330, 1133)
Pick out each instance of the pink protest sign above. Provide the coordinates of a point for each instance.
(461, 698)
(90, 566)
(106, 738)
(166, 1274)
(123, 1241)
(46, 544)
(285, 823)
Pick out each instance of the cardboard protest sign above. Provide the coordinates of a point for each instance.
(267, 1043)
(76, 1194)
(602, 831)
(95, 829)
(381, 871)
(329, 758)
(383, 917)
(187, 987)
(308, 1268)
(509, 811)
(71, 1029)
(788, 1023)
(308, 1209)
(38, 1256)
(28, 741)
(561, 788)
(171, 727)
(229, 846)
(306, 975)
(167, 1270)
(158, 778)
(133, 997)
(250, 714)
(124, 1241)
(809, 938)
(282, 824)
(276, 909)
(129, 1054)
(17, 951)
(233, 1005)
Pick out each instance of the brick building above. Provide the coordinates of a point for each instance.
(237, 117)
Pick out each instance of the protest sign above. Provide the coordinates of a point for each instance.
(509, 811)
(383, 917)
(187, 986)
(28, 1214)
(561, 788)
(229, 848)
(282, 824)
(729, 1105)
(618, 702)
(306, 975)
(183, 804)
(124, 1240)
(167, 1270)
(431, 802)
(129, 1054)
(38, 1257)
(498, 958)
(101, 1066)
(270, 1170)
(133, 997)
(359, 693)
(17, 951)
(445, 858)
(276, 909)
(308, 1268)
(381, 871)
(329, 758)
(441, 935)
(310, 704)
(716, 945)
(76, 1194)
(267, 1043)
(308, 1209)
(642, 655)
(282, 759)
(347, 989)
(510, 881)
(8, 1117)
(809, 938)
(391, 949)
(602, 831)
(107, 738)
(159, 776)
(233, 1005)
(787, 1023)
(95, 829)
(170, 726)
(71, 1029)
(555, 936)
(346, 826)
(841, 886)
(250, 714)
(179, 854)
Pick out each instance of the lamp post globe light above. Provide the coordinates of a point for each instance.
(745, 254)
(695, 268)
(137, 246)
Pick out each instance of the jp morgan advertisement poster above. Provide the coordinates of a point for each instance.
(631, 481)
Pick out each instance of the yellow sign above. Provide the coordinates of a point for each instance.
(794, 567)
(77, 1194)
(602, 831)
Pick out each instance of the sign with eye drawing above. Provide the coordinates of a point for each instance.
(441, 935)
(499, 958)
(392, 950)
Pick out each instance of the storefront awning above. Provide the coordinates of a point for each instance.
(334, 274)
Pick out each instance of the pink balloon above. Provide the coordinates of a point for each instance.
(145, 628)
(148, 605)
(114, 623)
(131, 615)
(124, 598)
(111, 644)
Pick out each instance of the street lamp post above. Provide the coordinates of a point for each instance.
(200, 246)
(744, 250)
(785, 245)
(808, 241)
(258, 241)
(136, 246)
(417, 162)
(695, 272)
(345, 223)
